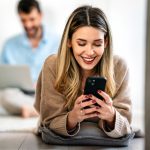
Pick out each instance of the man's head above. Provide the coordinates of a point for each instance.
(31, 17)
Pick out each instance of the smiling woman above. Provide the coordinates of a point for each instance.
(88, 46)
(85, 50)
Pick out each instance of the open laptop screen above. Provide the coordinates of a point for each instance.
(17, 76)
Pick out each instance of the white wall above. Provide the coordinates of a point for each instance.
(127, 20)
(56, 15)
(9, 20)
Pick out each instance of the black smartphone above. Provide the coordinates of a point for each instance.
(93, 84)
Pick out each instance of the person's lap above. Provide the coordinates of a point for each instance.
(16, 102)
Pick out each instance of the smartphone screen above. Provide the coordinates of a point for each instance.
(93, 84)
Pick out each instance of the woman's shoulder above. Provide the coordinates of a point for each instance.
(121, 70)
(50, 62)
(51, 59)
(120, 63)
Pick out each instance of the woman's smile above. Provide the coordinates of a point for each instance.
(88, 60)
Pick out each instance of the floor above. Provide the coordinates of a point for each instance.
(29, 141)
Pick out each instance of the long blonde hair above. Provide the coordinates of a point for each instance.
(68, 77)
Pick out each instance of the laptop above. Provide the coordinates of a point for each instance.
(16, 76)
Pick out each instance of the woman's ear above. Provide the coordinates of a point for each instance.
(69, 43)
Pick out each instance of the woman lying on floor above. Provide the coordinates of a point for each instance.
(85, 50)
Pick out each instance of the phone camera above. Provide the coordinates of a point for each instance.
(92, 83)
(89, 81)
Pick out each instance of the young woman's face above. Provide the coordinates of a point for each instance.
(88, 46)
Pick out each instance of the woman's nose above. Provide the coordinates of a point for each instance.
(90, 50)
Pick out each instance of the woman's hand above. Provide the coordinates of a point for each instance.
(78, 113)
(105, 110)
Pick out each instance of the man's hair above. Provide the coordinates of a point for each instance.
(26, 6)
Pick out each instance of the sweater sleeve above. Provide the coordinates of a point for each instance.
(50, 103)
(121, 103)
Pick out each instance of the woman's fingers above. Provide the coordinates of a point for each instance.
(106, 97)
(82, 98)
(104, 102)
(85, 106)
(87, 103)
(90, 115)
(89, 110)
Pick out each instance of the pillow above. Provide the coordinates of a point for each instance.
(89, 134)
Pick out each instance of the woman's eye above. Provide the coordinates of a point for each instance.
(97, 44)
(81, 44)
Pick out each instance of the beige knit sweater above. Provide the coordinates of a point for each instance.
(50, 103)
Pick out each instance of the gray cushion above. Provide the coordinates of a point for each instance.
(89, 134)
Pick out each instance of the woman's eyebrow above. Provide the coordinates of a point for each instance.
(81, 39)
(97, 40)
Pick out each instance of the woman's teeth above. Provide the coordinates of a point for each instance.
(88, 59)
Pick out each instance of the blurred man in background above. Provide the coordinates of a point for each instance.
(29, 48)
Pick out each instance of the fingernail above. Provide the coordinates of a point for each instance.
(90, 95)
(97, 113)
(93, 101)
(97, 107)
(86, 96)
(99, 91)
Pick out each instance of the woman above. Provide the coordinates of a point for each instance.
(85, 50)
